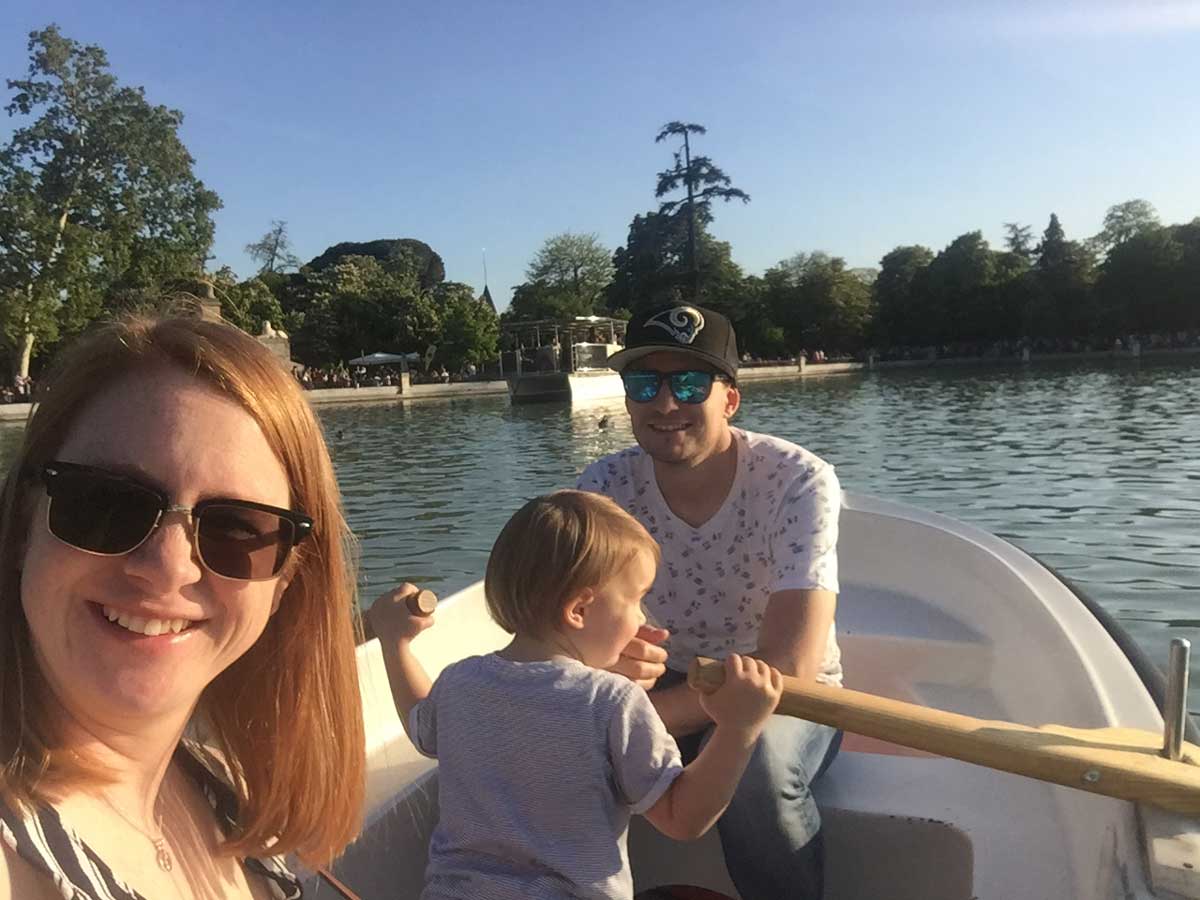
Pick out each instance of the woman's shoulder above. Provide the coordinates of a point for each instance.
(20, 879)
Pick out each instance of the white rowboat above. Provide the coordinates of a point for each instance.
(932, 612)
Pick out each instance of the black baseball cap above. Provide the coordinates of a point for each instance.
(700, 332)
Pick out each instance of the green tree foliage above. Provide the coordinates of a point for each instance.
(1065, 273)
(359, 306)
(404, 254)
(898, 294)
(703, 182)
(1151, 280)
(819, 303)
(1124, 221)
(537, 300)
(1018, 239)
(567, 277)
(273, 251)
(470, 329)
(248, 304)
(651, 268)
(98, 202)
(960, 299)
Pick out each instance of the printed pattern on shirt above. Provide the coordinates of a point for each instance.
(776, 531)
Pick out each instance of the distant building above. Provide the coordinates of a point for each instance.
(486, 297)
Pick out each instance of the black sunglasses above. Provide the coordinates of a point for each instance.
(107, 514)
(691, 386)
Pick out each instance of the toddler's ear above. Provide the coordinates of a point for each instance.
(575, 609)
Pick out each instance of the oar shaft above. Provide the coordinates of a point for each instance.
(1115, 762)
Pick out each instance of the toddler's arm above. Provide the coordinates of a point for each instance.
(740, 708)
(395, 625)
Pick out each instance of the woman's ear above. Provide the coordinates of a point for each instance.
(281, 587)
(575, 609)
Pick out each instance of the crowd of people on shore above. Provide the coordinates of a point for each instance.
(1178, 340)
(314, 378)
(20, 391)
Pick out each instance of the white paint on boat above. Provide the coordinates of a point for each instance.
(932, 611)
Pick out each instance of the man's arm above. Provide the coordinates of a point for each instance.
(793, 639)
(795, 631)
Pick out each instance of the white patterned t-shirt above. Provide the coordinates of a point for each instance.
(776, 531)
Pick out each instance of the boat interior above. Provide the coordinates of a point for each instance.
(931, 612)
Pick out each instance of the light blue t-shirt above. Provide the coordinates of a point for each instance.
(540, 766)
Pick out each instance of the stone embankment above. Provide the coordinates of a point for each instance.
(19, 412)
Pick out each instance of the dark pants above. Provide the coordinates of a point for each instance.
(771, 832)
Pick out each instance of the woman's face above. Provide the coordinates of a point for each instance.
(173, 433)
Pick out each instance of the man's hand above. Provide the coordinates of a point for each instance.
(643, 661)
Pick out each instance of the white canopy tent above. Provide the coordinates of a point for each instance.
(384, 359)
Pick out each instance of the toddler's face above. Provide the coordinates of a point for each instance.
(612, 619)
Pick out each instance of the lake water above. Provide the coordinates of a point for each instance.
(1093, 468)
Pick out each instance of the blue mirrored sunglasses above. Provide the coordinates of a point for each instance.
(691, 386)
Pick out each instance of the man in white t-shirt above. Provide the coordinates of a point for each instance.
(748, 528)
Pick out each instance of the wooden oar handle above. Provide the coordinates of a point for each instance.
(706, 675)
(422, 603)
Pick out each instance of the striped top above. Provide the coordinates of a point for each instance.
(41, 838)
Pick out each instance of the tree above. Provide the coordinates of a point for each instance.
(249, 304)
(704, 183)
(273, 251)
(97, 195)
(959, 282)
(358, 306)
(537, 300)
(819, 302)
(470, 328)
(1123, 221)
(1019, 239)
(1143, 286)
(1065, 274)
(652, 270)
(572, 271)
(897, 300)
(404, 255)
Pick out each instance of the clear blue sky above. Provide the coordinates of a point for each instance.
(854, 126)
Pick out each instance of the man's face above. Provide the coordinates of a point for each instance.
(682, 433)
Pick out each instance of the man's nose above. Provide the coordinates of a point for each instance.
(664, 400)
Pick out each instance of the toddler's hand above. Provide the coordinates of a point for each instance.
(748, 697)
(392, 618)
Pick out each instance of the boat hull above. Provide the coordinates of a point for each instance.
(933, 612)
(564, 387)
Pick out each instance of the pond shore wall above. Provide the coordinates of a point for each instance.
(19, 412)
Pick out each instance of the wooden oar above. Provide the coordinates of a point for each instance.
(422, 603)
(1116, 762)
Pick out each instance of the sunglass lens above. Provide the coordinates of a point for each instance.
(641, 387)
(238, 542)
(99, 514)
(691, 387)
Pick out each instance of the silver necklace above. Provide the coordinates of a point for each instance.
(162, 853)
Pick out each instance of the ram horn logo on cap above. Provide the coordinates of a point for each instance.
(683, 323)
